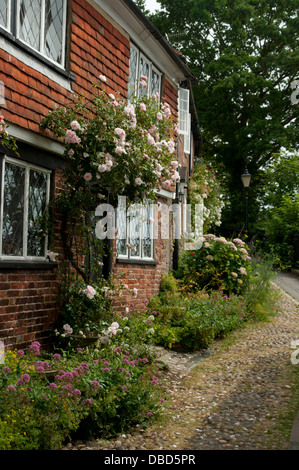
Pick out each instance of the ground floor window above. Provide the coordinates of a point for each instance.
(135, 229)
(25, 193)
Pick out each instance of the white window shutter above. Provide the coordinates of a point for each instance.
(183, 110)
(187, 136)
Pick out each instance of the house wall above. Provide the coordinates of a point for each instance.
(28, 304)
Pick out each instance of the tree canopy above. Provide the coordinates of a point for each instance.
(244, 54)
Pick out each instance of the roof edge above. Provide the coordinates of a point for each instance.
(158, 36)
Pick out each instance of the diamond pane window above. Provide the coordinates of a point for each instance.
(25, 195)
(140, 65)
(29, 21)
(36, 207)
(145, 71)
(133, 71)
(4, 13)
(54, 29)
(41, 24)
(155, 83)
(121, 240)
(13, 210)
(134, 232)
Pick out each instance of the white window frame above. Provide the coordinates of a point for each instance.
(152, 68)
(27, 167)
(130, 255)
(13, 27)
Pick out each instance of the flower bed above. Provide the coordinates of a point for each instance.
(46, 398)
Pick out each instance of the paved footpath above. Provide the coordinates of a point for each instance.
(233, 397)
(289, 282)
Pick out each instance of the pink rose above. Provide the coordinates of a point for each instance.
(71, 137)
(87, 176)
(89, 292)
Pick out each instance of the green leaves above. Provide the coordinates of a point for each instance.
(245, 56)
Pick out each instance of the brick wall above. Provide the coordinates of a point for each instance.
(28, 306)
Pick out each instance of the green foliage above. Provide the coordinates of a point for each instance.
(197, 322)
(281, 227)
(247, 62)
(6, 140)
(278, 224)
(48, 398)
(193, 321)
(204, 188)
(218, 264)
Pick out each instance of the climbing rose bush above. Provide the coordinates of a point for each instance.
(115, 146)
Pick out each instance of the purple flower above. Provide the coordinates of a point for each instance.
(52, 385)
(76, 392)
(124, 387)
(6, 369)
(20, 352)
(25, 378)
(95, 384)
(34, 348)
(11, 388)
(88, 401)
(67, 387)
(68, 377)
(57, 356)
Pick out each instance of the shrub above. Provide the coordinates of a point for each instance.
(47, 398)
(193, 320)
(218, 264)
(203, 319)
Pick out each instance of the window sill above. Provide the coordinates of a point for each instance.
(35, 60)
(27, 265)
(136, 261)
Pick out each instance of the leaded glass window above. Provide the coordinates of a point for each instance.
(25, 195)
(40, 24)
(5, 13)
(135, 232)
(133, 71)
(141, 65)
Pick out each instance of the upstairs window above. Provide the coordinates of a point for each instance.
(40, 24)
(25, 192)
(141, 65)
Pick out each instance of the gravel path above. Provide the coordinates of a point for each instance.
(237, 396)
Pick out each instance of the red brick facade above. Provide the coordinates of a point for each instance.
(97, 45)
